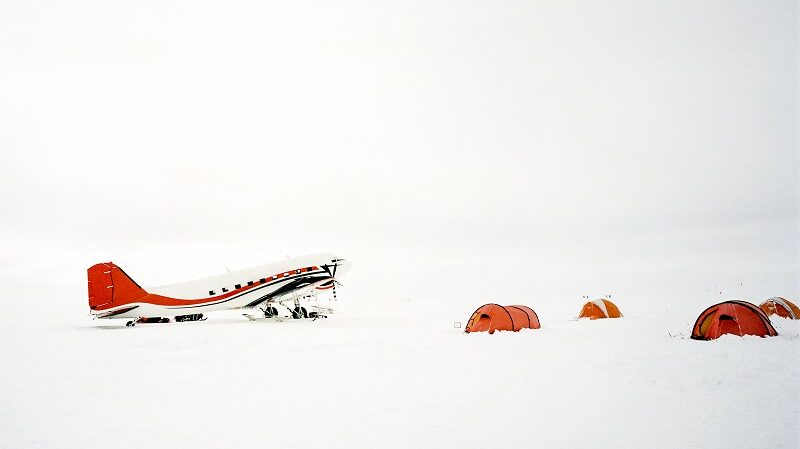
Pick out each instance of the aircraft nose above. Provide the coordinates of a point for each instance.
(342, 266)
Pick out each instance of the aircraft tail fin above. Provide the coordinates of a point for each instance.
(108, 284)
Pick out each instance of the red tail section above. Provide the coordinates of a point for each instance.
(109, 286)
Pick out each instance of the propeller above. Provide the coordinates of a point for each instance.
(332, 273)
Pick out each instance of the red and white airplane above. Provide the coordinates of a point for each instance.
(113, 294)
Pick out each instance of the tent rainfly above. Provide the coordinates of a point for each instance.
(600, 308)
(781, 307)
(732, 317)
(494, 317)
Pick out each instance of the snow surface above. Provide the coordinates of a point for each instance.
(397, 374)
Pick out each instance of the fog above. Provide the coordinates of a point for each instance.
(481, 150)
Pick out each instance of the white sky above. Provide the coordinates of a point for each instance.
(480, 149)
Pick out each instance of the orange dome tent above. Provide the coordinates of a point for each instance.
(732, 317)
(493, 317)
(600, 308)
(781, 307)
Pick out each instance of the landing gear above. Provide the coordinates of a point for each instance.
(152, 320)
(269, 312)
(130, 323)
(299, 312)
(192, 317)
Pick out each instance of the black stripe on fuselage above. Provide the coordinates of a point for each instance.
(315, 276)
(297, 283)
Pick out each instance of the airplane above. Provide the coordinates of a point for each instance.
(114, 294)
